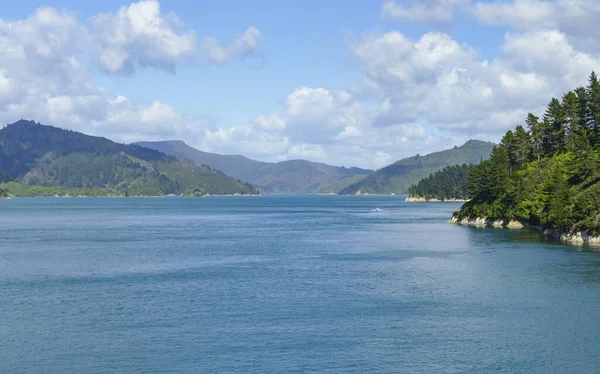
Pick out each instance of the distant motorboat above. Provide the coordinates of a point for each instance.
(377, 209)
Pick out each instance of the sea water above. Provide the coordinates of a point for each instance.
(286, 284)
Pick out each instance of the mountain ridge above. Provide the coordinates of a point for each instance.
(399, 176)
(35, 154)
(290, 176)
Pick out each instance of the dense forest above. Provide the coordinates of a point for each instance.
(62, 160)
(448, 183)
(546, 174)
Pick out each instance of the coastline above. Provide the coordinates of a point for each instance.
(420, 199)
(119, 196)
(578, 238)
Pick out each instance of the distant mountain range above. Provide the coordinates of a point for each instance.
(295, 176)
(34, 154)
(41, 160)
(399, 176)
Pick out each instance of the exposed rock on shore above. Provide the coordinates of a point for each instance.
(572, 238)
(420, 199)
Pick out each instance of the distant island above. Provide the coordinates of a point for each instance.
(448, 184)
(547, 176)
(38, 160)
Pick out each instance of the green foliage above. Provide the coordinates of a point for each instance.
(79, 164)
(448, 183)
(399, 176)
(559, 188)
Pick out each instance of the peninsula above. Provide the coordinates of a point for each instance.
(546, 176)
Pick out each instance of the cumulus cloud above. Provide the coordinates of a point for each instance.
(244, 46)
(269, 122)
(518, 14)
(43, 75)
(440, 82)
(576, 19)
(138, 35)
(441, 11)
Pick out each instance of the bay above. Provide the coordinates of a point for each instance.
(286, 284)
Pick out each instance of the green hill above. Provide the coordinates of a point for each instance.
(399, 176)
(547, 176)
(294, 176)
(33, 154)
(450, 183)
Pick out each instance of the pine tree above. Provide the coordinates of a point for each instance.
(535, 133)
(523, 147)
(510, 144)
(570, 106)
(593, 96)
(553, 128)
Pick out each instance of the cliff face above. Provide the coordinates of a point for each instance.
(571, 238)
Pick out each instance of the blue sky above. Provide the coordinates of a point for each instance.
(348, 83)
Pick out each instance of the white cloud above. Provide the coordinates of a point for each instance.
(43, 77)
(437, 81)
(520, 14)
(244, 46)
(269, 122)
(307, 151)
(138, 36)
(441, 11)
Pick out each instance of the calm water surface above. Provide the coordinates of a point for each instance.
(286, 284)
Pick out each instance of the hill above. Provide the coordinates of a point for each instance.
(448, 184)
(547, 176)
(399, 176)
(294, 176)
(34, 154)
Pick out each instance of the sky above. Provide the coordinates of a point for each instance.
(349, 83)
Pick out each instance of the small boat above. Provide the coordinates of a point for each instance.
(378, 209)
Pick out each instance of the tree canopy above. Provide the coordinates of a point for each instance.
(548, 174)
(448, 183)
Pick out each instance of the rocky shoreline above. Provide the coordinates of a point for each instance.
(420, 199)
(571, 238)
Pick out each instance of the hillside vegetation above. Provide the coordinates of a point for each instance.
(445, 184)
(33, 154)
(294, 176)
(548, 174)
(399, 176)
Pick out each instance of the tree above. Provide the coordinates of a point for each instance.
(523, 147)
(535, 133)
(553, 127)
(593, 96)
(570, 106)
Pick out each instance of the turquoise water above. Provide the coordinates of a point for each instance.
(286, 284)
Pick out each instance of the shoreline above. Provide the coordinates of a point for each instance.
(117, 196)
(420, 199)
(578, 238)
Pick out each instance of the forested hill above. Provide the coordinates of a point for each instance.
(547, 174)
(450, 183)
(34, 154)
(399, 176)
(293, 176)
